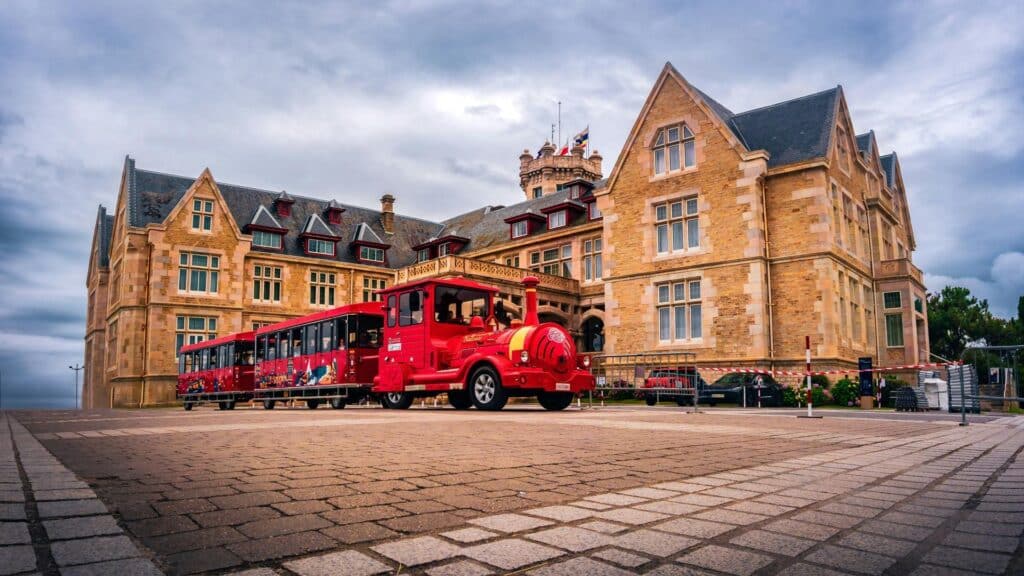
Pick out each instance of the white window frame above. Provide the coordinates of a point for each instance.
(322, 285)
(365, 253)
(561, 264)
(593, 266)
(202, 215)
(890, 334)
(370, 285)
(423, 254)
(558, 219)
(197, 278)
(676, 304)
(320, 247)
(677, 225)
(674, 150)
(189, 332)
(266, 284)
(444, 249)
(260, 236)
(520, 229)
(593, 213)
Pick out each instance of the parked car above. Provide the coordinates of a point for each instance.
(730, 389)
(680, 379)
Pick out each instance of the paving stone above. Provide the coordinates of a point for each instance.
(591, 505)
(686, 487)
(280, 546)
(17, 559)
(615, 499)
(801, 569)
(81, 527)
(887, 545)
(425, 522)
(912, 519)
(14, 533)
(762, 508)
(129, 567)
(695, 528)
(362, 532)
(730, 493)
(773, 542)
(700, 499)
(561, 513)
(73, 494)
(729, 560)
(459, 568)
(510, 522)
(654, 543)
(256, 572)
(248, 500)
(988, 562)
(801, 529)
(88, 550)
(676, 570)
(511, 554)
(578, 566)
(283, 525)
(63, 508)
(852, 560)
(729, 517)
(161, 525)
(652, 493)
(12, 496)
(468, 535)
(905, 531)
(631, 516)
(827, 519)
(666, 507)
(12, 511)
(349, 562)
(849, 510)
(571, 538)
(603, 527)
(621, 557)
(195, 539)
(203, 560)
(416, 551)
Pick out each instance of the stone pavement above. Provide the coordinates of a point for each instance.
(627, 491)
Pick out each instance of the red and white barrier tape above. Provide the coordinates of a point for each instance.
(826, 372)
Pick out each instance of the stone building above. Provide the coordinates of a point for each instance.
(730, 235)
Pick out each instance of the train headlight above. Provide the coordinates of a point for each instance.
(586, 361)
(524, 357)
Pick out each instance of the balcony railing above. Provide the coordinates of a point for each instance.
(481, 270)
(899, 268)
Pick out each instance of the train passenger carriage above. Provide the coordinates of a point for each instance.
(328, 356)
(442, 336)
(218, 370)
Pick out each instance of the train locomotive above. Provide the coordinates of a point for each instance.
(442, 336)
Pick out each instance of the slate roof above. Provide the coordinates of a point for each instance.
(155, 194)
(104, 230)
(792, 131)
(264, 218)
(316, 225)
(889, 166)
(864, 141)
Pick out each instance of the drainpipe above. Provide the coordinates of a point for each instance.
(768, 274)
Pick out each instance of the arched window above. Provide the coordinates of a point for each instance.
(674, 149)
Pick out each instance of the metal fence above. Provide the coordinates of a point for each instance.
(630, 372)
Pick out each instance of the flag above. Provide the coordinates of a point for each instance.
(564, 151)
(583, 138)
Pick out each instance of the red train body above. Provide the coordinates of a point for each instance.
(426, 338)
(218, 370)
(442, 336)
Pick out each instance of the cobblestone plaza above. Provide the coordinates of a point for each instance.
(608, 491)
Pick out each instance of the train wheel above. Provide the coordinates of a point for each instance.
(651, 399)
(337, 403)
(487, 391)
(683, 401)
(460, 399)
(222, 405)
(398, 400)
(230, 405)
(269, 404)
(555, 400)
(188, 406)
(312, 404)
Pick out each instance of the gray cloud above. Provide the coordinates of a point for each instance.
(434, 101)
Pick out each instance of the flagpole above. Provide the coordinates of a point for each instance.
(559, 121)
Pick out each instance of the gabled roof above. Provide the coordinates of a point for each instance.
(792, 131)
(155, 194)
(104, 231)
(264, 219)
(364, 233)
(889, 166)
(315, 226)
(865, 142)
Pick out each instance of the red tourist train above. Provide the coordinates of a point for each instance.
(427, 338)
(218, 370)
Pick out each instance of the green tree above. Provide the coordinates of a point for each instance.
(955, 318)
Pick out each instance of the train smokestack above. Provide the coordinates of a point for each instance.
(530, 318)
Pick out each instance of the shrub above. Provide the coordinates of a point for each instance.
(820, 396)
(820, 380)
(791, 396)
(845, 392)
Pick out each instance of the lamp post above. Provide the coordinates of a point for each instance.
(76, 368)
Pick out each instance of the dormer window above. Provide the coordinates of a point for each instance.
(674, 149)
(423, 255)
(319, 247)
(444, 249)
(556, 219)
(202, 215)
(371, 254)
(520, 229)
(592, 211)
(264, 239)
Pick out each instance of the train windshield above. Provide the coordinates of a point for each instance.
(364, 331)
(459, 305)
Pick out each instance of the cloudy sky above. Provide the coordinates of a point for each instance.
(434, 101)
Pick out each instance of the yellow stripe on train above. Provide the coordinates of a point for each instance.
(518, 341)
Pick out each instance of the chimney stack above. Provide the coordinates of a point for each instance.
(387, 213)
(530, 317)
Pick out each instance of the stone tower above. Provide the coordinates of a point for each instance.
(541, 175)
